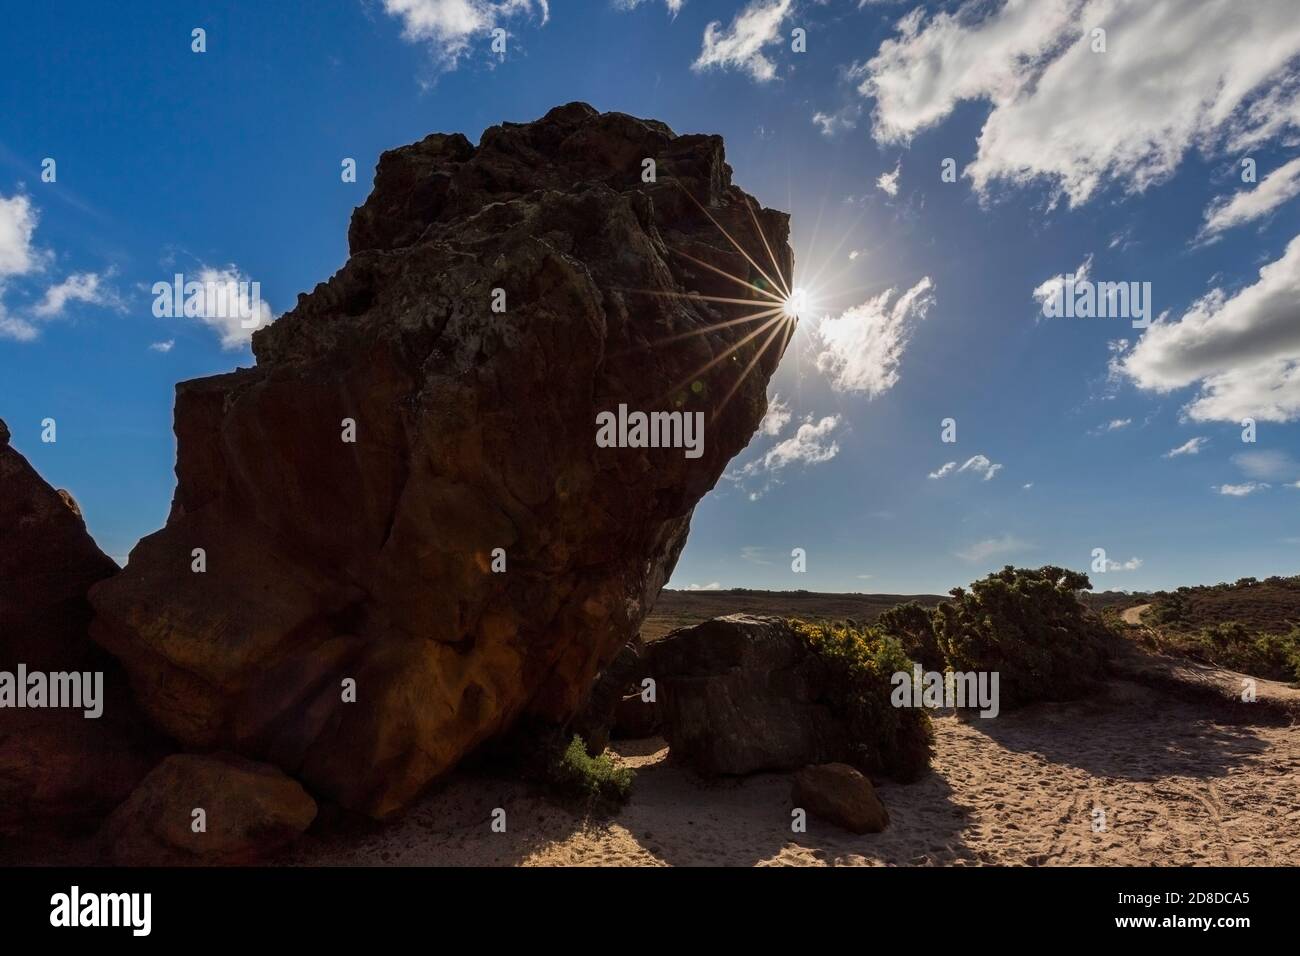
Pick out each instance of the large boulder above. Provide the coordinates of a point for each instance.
(741, 694)
(380, 560)
(249, 810)
(57, 766)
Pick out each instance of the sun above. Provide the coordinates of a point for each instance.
(796, 303)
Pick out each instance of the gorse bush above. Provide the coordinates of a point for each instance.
(1236, 647)
(574, 773)
(1029, 627)
(860, 663)
(913, 626)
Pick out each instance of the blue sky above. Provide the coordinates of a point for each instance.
(1114, 157)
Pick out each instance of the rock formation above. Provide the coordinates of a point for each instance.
(473, 555)
(249, 810)
(741, 694)
(56, 764)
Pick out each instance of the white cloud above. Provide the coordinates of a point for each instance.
(1174, 75)
(1192, 446)
(229, 302)
(163, 347)
(980, 465)
(674, 6)
(19, 257)
(811, 444)
(448, 26)
(17, 224)
(1248, 205)
(1242, 349)
(991, 547)
(862, 348)
(1050, 289)
(888, 182)
(711, 586)
(78, 287)
(1115, 424)
(977, 464)
(776, 418)
(741, 45)
(1240, 491)
(840, 120)
(1132, 564)
(1027, 485)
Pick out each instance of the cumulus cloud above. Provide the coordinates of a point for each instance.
(1242, 490)
(1192, 446)
(19, 257)
(1227, 212)
(991, 547)
(711, 586)
(1243, 350)
(228, 302)
(741, 45)
(862, 348)
(448, 26)
(811, 444)
(888, 182)
(163, 347)
(944, 470)
(1174, 76)
(17, 225)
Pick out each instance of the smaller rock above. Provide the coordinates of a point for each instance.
(250, 810)
(838, 793)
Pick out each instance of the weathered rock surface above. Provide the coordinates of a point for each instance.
(56, 765)
(741, 694)
(475, 430)
(250, 810)
(47, 564)
(840, 794)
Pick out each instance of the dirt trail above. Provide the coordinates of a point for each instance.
(1133, 615)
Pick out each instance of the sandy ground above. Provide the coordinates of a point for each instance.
(1133, 615)
(1176, 788)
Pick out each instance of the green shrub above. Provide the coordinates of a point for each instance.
(576, 774)
(1236, 647)
(913, 626)
(1029, 627)
(860, 663)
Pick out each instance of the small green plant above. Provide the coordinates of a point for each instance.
(860, 663)
(575, 773)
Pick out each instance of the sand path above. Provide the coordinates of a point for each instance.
(1175, 788)
(1133, 615)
